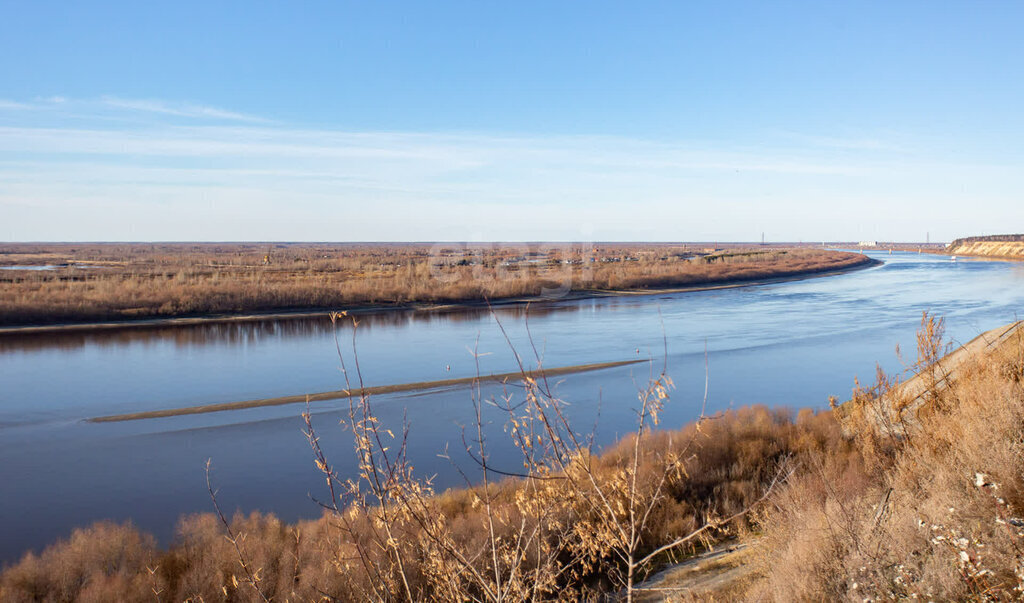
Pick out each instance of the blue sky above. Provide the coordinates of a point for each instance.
(510, 121)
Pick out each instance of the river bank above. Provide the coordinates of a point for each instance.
(298, 314)
(995, 247)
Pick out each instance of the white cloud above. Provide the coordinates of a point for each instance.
(411, 185)
(9, 105)
(178, 109)
(438, 151)
(99, 108)
(852, 143)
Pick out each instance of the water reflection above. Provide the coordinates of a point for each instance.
(254, 331)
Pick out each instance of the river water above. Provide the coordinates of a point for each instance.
(787, 344)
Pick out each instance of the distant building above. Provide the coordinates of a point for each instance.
(868, 243)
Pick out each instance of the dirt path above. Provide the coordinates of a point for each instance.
(714, 575)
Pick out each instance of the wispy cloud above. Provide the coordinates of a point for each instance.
(181, 171)
(852, 142)
(102, 107)
(9, 105)
(179, 109)
(438, 151)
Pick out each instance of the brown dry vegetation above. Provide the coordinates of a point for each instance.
(733, 458)
(133, 281)
(929, 508)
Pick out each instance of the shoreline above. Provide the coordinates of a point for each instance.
(977, 257)
(284, 314)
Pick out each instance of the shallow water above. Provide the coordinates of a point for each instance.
(788, 344)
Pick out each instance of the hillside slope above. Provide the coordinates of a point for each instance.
(1001, 246)
(931, 508)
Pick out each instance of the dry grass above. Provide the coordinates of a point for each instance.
(733, 458)
(927, 509)
(120, 282)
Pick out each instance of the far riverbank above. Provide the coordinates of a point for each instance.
(306, 313)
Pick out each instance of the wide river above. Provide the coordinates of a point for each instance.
(788, 344)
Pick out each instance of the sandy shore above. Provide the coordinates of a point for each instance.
(344, 393)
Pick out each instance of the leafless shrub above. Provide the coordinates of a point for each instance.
(103, 562)
(568, 523)
(570, 519)
(731, 459)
